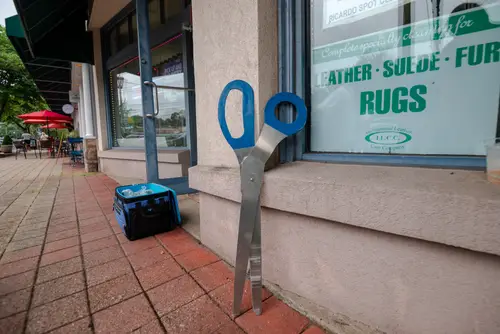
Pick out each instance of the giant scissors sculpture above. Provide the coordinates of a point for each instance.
(252, 157)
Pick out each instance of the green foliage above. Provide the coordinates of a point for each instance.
(7, 140)
(74, 134)
(18, 92)
(10, 129)
(123, 114)
(176, 120)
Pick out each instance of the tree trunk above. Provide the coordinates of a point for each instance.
(3, 104)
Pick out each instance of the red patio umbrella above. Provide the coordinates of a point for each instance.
(54, 126)
(44, 121)
(45, 115)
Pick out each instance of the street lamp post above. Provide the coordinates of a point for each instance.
(119, 84)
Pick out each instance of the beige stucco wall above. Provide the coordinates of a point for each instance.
(393, 283)
(103, 10)
(404, 250)
(452, 207)
(131, 163)
(137, 169)
(233, 39)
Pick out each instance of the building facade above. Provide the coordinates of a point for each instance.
(378, 216)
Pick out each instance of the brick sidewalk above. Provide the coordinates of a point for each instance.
(65, 267)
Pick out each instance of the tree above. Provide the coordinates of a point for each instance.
(18, 92)
(177, 119)
(123, 119)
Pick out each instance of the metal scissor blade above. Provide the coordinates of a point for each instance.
(251, 181)
(245, 234)
(256, 265)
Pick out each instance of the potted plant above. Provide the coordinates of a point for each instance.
(7, 144)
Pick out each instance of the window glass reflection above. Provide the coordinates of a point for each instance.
(127, 103)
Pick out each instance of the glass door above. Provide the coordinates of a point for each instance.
(173, 90)
(172, 109)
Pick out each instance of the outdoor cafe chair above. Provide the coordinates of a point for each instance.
(76, 151)
(20, 146)
(47, 145)
(64, 151)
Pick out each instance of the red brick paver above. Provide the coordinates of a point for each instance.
(196, 258)
(223, 296)
(213, 275)
(21, 254)
(107, 271)
(112, 292)
(159, 273)
(200, 316)
(13, 324)
(66, 267)
(57, 313)
(58, 288)
(17, 282)
(14, 302)
(172, 295)
(124, 317)
(276, 317)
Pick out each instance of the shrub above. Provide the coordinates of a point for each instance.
(7, 140)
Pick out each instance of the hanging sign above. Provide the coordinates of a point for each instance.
(427, 88)
(345, 11)
(68, 109)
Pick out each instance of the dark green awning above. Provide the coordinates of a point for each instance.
(55, 29)
(48, 35)
(14, 27)
(52, 77)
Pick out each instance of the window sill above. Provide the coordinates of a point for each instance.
(429, 161)
(452, 207)
(164, 156)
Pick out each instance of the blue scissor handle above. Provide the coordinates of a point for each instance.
(286, 128)
(247, 139)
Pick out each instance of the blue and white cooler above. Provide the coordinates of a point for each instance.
(146, 209)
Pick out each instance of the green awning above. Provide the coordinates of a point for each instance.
(14, 27)
(48, 35)
(53, 29)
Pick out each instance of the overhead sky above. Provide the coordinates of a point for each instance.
(6, 9)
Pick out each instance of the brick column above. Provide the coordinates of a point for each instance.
(90, 155)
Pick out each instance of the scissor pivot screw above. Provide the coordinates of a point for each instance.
(251, 179)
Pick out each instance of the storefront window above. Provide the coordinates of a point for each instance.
(127, 115)
(113, 41)
(123, 34)
(404, 77)
(133, 20)
(173, 7)
(154, 14)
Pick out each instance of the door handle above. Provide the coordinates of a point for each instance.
(155, 87)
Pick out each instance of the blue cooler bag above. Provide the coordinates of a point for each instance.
(141, 215)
